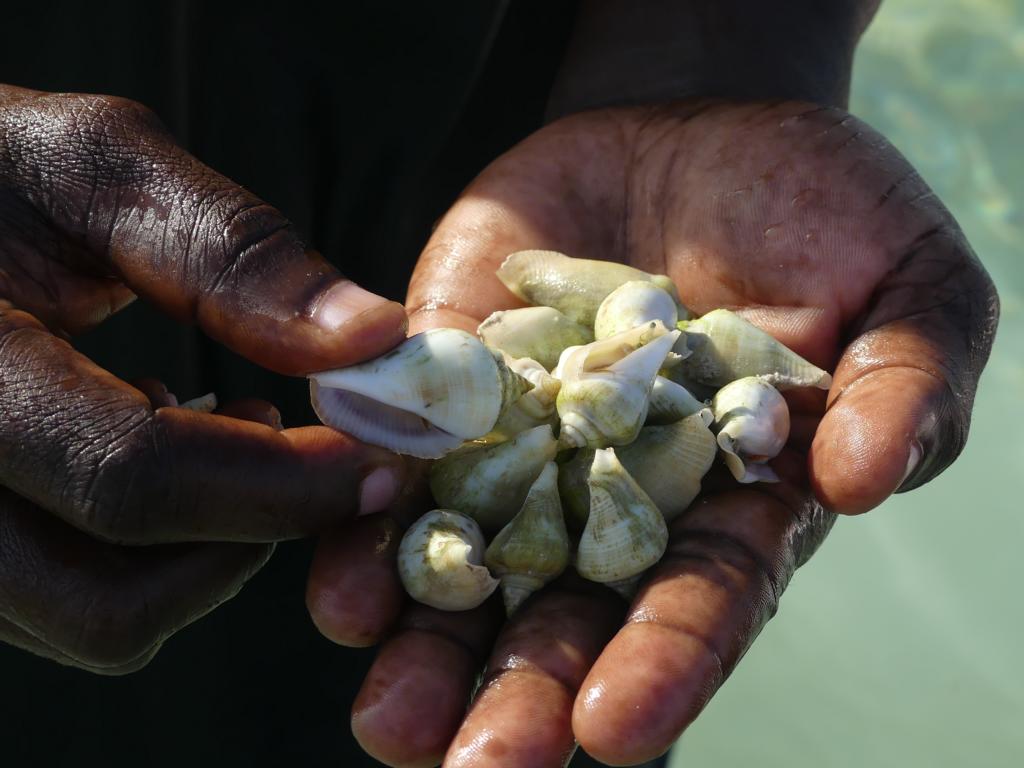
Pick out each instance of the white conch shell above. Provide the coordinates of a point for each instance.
(752, 420)
(532, 409)
(533, 548)
(490, 483)
(631, 304)
(576, 287)
(440, 562)
(669, 461)
(671, 402)
(540, 333)
(625, 533)
(606, 387)
(724, 347)
(572, 487)
(425, 397)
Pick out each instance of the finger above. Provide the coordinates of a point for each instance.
(729, 559)
(522, 714)
(354, 594)
(90, 448)
(900, 406)
(415, 695)
(156, 391)
(252, 409)
(103, 607)
(181, 235)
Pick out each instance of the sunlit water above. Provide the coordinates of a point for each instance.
(900, 644)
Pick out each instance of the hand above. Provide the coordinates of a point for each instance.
(821, 232)
(97, 204)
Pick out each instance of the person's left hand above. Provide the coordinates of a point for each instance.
(815, 225)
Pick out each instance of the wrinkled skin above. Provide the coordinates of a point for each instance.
(98, 206)
(811, 221)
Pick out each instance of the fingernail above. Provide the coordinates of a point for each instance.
(912, 461)
(342, 302)
(378, 490)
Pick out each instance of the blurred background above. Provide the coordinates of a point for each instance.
(900, 643)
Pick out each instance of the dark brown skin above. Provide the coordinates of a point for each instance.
(813, 224)
(98, 206)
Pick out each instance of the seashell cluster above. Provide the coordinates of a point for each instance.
(569, 432)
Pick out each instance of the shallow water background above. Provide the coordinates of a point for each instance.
(900, 643)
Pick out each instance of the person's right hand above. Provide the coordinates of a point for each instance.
(97, 205)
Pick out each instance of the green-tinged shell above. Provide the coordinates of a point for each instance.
(631, 304)
(625, 533)
(752, 420)
(669, 461)
(533, 409)
(671, 402)
(572, 487)
(725, 347)
(425, 397)
(606, 388)
(575, 287)
(490, 483)
(440, 562)
(533, 548)
(539, 333)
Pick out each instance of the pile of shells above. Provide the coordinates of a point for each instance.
(570, 431)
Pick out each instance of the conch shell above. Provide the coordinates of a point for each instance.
(539, 333)
(572, 488)
(671, 402)
(631, 304)
(576, 287)
(533, 548)
(752, 420)
(725, 347)
(425, 397)
(440, 562)
(669, 461)
(625, 533)
(490, 483)
(606, 386)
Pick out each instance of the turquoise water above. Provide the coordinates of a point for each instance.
(900, 643)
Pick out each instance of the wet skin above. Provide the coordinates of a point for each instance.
(821, 233)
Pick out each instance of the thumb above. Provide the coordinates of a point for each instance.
(900, 406)
(108, 175)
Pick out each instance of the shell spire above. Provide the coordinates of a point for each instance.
(533, 548)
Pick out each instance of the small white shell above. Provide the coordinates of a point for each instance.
(752, 420)
(425, 397)
(540, 333)
(669, 461)
(533, 548)
(440, 562)
(725, 347)
(576, 287)
(625, 533)
(490, 483)
(606, 387)
(631, 304)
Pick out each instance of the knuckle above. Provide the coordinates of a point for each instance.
(116, 629)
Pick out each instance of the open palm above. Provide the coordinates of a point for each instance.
(821, 233)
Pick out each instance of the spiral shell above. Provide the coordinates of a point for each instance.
(539, 333)
(671, 402)
(752, 420)
(606, 386)
(724, 347)
(631, 304)
(534, 408)
(424, 398)
(490, 483)
(440, 562)
(533, 548)
(576, 287)
(625, 533)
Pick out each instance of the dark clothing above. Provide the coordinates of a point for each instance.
(361, 124)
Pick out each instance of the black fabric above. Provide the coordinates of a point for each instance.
(361, 121)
